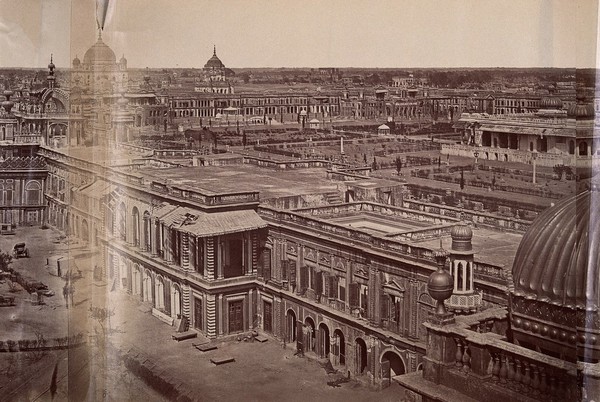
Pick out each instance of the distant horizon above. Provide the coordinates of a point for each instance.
(62, 68)
(313, 34)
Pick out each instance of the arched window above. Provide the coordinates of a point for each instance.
(33, 193)
(136, 226)
(6, 194)
(122, 222)
(459, 276)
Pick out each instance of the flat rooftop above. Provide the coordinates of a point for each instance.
(379, 225)
(237, 178)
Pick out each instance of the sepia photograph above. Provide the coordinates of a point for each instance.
(318, 200)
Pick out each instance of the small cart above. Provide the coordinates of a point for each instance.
(20, 250)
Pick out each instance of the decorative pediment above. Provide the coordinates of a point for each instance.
(393, 288)
(339, 265)
(292, 249)
(361, 271)
(323, 260)
(310, 255)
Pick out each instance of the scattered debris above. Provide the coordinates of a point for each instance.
(336, 383)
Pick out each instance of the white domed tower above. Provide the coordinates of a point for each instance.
(465, 299)
(100, 70)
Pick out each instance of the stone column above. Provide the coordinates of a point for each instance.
(250, 311)
(299, 265)
(211, 316)
(185, 252)
(219, 254)
(254, 250)
(374, 308)
(210, 258)
(186, 305)
(220, 317)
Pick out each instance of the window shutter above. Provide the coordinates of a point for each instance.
(353, 290)
(333, 286)
(326, 279)
(284, 270)
(292, 274)
(303, 277)
(267, 264)
(393, 311)
(318, 282)
(385, 313)
(259, 267)
(313, 278)
(364, 304)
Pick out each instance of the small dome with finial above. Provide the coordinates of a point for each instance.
(76, 61)
(461, 234)
(214, 62)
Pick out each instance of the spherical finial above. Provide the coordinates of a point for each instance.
(440, 284)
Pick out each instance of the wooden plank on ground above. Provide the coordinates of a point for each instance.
(204, 347)
(261, 338)
(182, 336)
(221, 360)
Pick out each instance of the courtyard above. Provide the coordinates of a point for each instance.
(97, 368)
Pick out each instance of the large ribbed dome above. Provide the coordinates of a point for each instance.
(581, 111)
(554, 305)
(551, 103)
(558, 259)
(100, 54)
(214, 62)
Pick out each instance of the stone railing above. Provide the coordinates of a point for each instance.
(489, 273)
(203, 198)
(477, 217)
(27, 139)
(424, 234)
(380, 209)
(518, 118)
(182, 193)
(508, 155)
(347, 233)
(503, 370)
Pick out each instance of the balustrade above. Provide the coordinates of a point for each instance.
(527, 375)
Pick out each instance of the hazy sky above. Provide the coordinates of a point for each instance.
(307, 33)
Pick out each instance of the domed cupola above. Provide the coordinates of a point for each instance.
(555, 299)
(214, 62)
(100, 54)
(581, 111)
(461, 237)
(551, 103)
(76, 62)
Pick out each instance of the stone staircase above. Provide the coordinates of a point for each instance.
(333, 198)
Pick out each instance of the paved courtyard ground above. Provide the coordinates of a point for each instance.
(96, 371)
(261, 371)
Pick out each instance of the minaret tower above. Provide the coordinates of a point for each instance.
(51, 78)
(465, 299)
